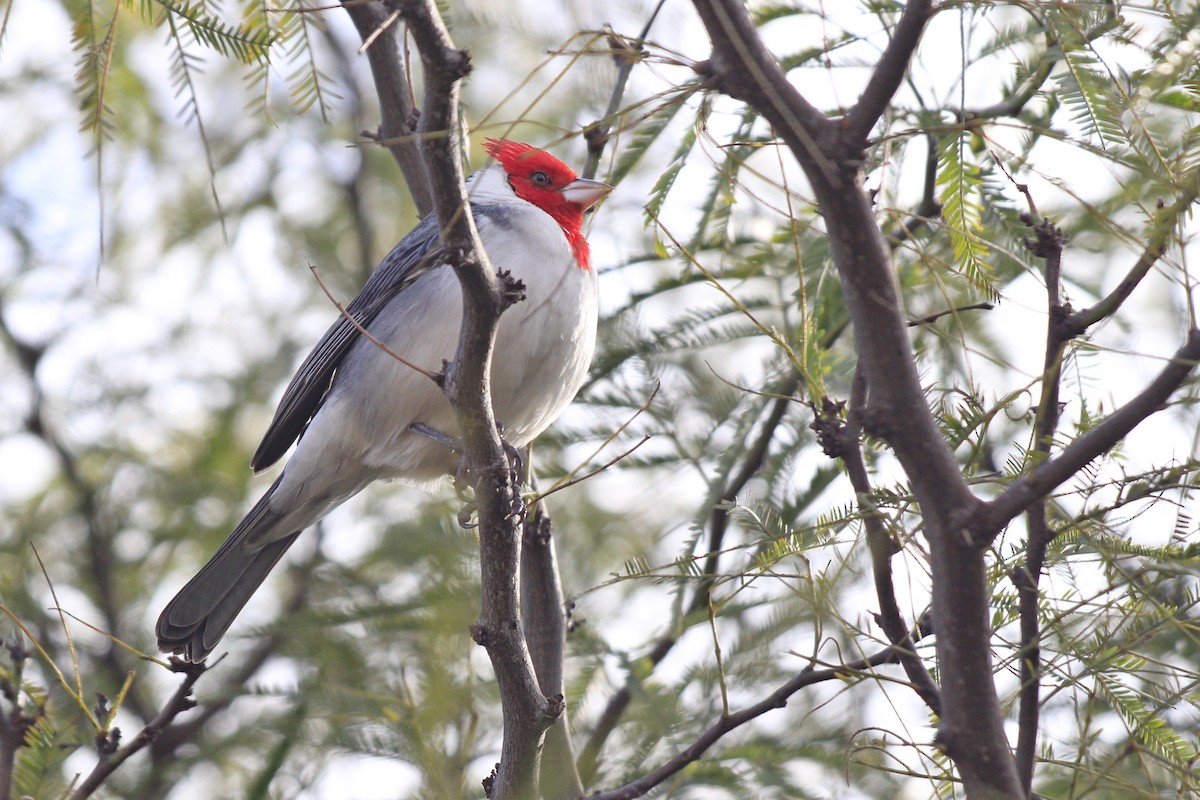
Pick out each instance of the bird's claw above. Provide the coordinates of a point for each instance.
(462, 474)
(516, 477)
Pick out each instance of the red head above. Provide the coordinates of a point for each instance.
(539, 178)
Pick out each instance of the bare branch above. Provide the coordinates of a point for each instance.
(889, 72)
(1015, 103)
(397, 126)
(527, 711)
(929, 208)
(112, 756)
(994, 515)
(845, 437)
(627, 54)
(546, 632)
(1047, 245)
(929, 319)
(777, 699)
(1162, 230)
(589, 757)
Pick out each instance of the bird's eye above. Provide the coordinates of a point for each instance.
(540, 178)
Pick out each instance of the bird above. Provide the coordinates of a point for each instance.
(358, 415)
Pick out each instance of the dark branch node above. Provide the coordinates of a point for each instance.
(512, 290)
(596, 138)
(459, 63)
(489, 782)
(830, 426)
(108, 742)
(481, 635)
(1049, 239)
(555, 706)
(538, 529)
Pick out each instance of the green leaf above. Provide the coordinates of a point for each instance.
(962, 213)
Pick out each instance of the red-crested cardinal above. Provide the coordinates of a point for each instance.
(353, 406)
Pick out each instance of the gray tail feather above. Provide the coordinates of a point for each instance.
(195, 620)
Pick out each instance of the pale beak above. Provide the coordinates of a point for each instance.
(585, 193)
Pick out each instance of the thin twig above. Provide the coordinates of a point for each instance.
(433, 376)
(717, 525)
(931, 318)
(612, 437)
(627, 54)
(537, 498)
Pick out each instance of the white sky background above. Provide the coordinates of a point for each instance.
(227, 306)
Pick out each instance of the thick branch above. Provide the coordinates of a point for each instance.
(972, 724)
(546, 633)
(741, 67)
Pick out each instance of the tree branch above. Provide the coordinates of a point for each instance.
(777, 699)
(1013, 105)
(626, 53)
(846, 439)
(1162, 230)
(398, 115)
(112, 756)
(972, 725)
(546, 632)
(1048, 245)
(741, 67)
(527, 711)
(929, 208)
(888, 73)
(589, 757)
(994, 515)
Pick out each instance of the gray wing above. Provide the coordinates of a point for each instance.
(416, 254)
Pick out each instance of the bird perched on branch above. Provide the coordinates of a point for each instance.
(361, 414)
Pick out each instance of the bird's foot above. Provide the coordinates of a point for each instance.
(451, 443)
(516, 477)
(462, 474)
